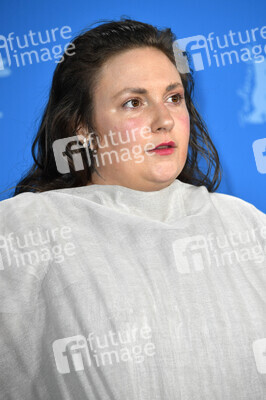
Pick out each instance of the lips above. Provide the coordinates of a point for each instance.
(169, 144)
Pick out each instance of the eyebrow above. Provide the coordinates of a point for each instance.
(144, 91)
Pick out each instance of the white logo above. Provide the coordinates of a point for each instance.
(226, 49)
(259, 150)
(259, 350)
(197, 47)
(71, 144)
(29, 48)
(4, 46)
(35, 247)
(1, 263)
(191, 253)
(180, 59)
(71, 353)
(77, 352)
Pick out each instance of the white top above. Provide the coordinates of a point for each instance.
(112, 293)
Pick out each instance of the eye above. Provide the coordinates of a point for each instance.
(131, 100)
(177, 96)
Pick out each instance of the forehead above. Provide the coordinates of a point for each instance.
(140, 66)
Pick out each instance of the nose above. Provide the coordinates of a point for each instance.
(162, 119)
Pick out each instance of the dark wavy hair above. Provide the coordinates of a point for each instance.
(70, 105)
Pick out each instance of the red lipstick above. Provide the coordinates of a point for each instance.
(164, 150)
(171, 144)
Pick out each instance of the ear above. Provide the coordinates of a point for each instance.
(82, 133)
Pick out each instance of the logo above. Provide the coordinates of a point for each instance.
(1, 263)
(1, 59)
(71, 354)
(225, 49)
(180, 59)
(3, 45)
(70, 144)
(35, 247)
(27, 49)
(72, 147)
(259, 350)
(191, 253)
(234, 248)
(197, 47)
(77, 352)
(259, 150)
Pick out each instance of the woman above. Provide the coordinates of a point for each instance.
(123, 274)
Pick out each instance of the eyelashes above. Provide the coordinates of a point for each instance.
(180, 96)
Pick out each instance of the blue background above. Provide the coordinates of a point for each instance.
(231, 98)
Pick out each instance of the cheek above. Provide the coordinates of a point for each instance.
(131, 127)
(184, 123)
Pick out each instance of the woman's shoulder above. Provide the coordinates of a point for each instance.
(22, 205)
(29, 201)
(29, 209)
(235, 209)
(18, 200)
(233, 201)
(224, 203)
(34, 234)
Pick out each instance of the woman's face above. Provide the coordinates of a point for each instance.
(133, 121)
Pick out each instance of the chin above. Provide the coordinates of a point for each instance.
(166, 175)
(166, 179)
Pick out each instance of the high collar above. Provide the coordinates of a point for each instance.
(164, 205)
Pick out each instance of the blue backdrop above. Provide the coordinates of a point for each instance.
(227, 43)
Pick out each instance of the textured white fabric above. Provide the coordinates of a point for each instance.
(112, 293)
